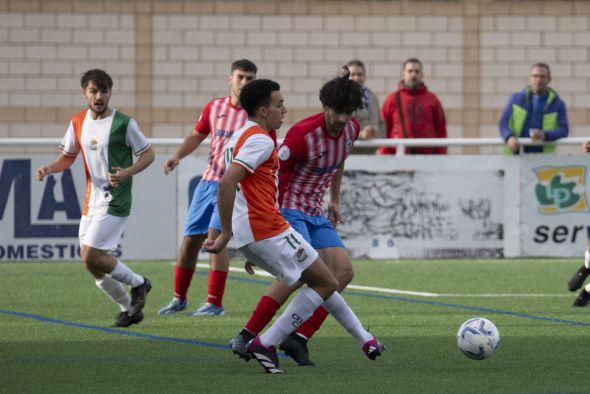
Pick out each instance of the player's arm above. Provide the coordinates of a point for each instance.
(226, 195)
(122, 175)
(62, 163)
(334, 207)
(190, 143)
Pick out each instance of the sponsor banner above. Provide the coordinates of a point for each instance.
(554, 206)
(409, 207)
(420, 213)
(39, 220)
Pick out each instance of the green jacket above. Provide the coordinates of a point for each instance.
(516, 118)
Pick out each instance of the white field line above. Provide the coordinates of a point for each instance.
(414, 293)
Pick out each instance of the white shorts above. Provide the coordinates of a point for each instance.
(101, 230)
(285, 255)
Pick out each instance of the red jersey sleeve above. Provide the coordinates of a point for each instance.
(203, 125)
(292, 149)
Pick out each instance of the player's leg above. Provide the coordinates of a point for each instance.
(99, 234)
(578, 280)
(195, 232)
(268, 305)
(579, 277)
(287, 256)
(332, 251)
(328, 243)
(583, 298)
(219, 266)
(321, 283)
(337, 260)
(272, 299)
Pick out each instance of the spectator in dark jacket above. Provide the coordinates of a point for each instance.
(413, 112)
(536, 112)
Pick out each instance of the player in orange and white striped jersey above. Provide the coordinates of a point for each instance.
(248, 207)
(221, 117)
(107, 139)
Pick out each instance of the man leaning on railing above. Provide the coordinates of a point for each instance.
(536, 112)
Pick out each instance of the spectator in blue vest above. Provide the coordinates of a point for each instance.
(536, 112)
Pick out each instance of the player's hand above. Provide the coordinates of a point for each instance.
(334, 215)
(248, 266)
(216, 245)
(119, 176)
(42, 172)
(512, 143)
(170, 165)
(586, 146)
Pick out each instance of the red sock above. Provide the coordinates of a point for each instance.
(216, 287)
(313, 324)
(263, 313)
(182, 281)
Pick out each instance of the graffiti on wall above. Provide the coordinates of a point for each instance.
(418, 214)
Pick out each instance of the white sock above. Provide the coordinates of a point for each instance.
(115, 291)
(297, 312)
(347, 318)
(587, 258)
(587, 288)
(124, 274)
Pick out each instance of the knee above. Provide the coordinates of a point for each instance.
(344, 277)
(85, 254)
(88, 255)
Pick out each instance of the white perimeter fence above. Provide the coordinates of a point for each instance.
(398, 143)
(405, 206)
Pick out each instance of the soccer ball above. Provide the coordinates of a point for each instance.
(478, 338)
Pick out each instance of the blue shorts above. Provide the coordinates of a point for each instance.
(203, 213)
(317, 230)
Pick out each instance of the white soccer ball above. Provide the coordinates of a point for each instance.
(478, 338)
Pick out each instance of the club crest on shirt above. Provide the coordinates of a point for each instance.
(93, 144)
(348, 144)
(301, 255)
(284, 153)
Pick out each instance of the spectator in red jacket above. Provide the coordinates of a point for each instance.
(413, 112)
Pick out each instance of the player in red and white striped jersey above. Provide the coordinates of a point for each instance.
(311, 161)
(219, 119)
(311, 155)
(248, 208)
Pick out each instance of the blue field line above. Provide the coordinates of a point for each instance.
(117, 331)
(111, 330)
(266, 283)
(435, 303)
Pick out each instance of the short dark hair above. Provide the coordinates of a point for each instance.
(412, 60)
(356, 62)
(341, 94)
(244, 65)
(101, 79)
(256, 94)
(542, 65)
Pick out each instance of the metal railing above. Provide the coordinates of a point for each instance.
(399, 144)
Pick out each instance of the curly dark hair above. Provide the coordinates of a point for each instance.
(101, 79)
(256, 94)
(342, 94)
